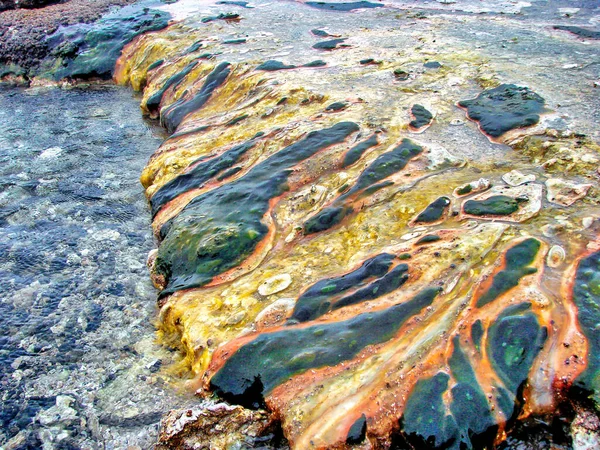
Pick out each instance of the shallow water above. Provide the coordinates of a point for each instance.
(78, 363)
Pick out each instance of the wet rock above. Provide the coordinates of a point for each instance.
(504, 108)
(516, 178)
(99, 45)
(212, 425)
(274, 284)
(565, 193)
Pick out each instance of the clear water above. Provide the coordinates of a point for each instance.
(78, 362)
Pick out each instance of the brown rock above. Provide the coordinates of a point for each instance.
(212, 426)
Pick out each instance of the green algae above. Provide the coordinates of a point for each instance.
(586, 296)
(317, 299)
(329, 45)
(219, 229)
(154, 100)
(434, 211)
(514, 340)
(428, 239)
(517, 261)
(496, 205)
(172, 116)
(581, 32)
(356, 152)
(273, 65)
(270, 359)
(422, 117)
(358, 431)
(504, 108)
(222, 16)
(93, 49)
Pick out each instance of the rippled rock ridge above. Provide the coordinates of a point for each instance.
(379, 224)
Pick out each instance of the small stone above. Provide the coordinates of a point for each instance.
(556, 256)
(236, 318)
(587, 222)
(516, 178)
(51, 152)
(275, 284)
(565, 193)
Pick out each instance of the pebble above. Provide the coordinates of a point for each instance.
(556, 256)
(516, 178)
(274, 284)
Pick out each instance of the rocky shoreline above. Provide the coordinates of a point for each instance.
(209, 102)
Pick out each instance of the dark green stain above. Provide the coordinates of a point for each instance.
(172, 116)
(193, 48)
(401, 74)
(581, 32)
(586, 296)
(91, 50)
(202, 171)
(320, 33)
(514, 340)
(428, 239)
(358, 431)
(425, 421)
(156, 64)
(234, 3)
(434, 211)
(355, 153)
(470, 408)
(464, 190)
(154, 100)
(367, 183)
(386, 284)
(236, 120)
(344, 6)
(477, 333)
(432, 65)
(273, 358)
(219, 229)
(470, 423)
(234, 41)
(337, 106)
(273, 65)
(422, 116)
(315, 63)
(326, 218)
(368, 61)
(496, 205)
(517, 261)
(317, 299)
(329, 45)
(386, 164)
(222, 16)
(504, 108)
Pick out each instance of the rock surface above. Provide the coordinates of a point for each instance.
(422, 308)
